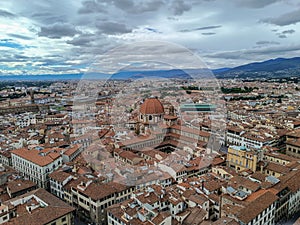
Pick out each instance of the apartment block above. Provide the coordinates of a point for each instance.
(36, 163)
(242, 158)
(293, 143)
(37, 207)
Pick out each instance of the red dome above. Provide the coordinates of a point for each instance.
(152, 106)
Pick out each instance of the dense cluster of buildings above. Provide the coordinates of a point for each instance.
(171, 158)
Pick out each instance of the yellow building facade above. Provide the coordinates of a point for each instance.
(240, 158)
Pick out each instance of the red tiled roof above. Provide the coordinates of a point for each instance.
(152, 106)
(295, 142)
(42, 215)
(98, 191)
(277, 168)
(19, 185)
(72, 150)
(59, 176)
(256, 207)
(35, 157)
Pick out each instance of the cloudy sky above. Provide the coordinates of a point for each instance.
(65, 36)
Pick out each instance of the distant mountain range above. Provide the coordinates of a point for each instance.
(174, 73)
(273, 68)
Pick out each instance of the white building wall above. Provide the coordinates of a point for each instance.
(267, 217)
(36, 173)
(294, 203)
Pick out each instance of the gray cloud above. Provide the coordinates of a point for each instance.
(178, 7)
(285, 33)
(282, 36)
(173, 18)
(123, 4)
(156, 53)
(153, 30)
(108, 27)
(149, 6)
(82, 40)
(208, 33)
(267, 43)
(4, 13)
(49, 18)
(19, 36)
(288, 31)
(9, 57)
(95, 26)
(58, 30)
(92, 6)
(43, 12)
(142, 7)
(285, 19)
(209, 27)
(201, 28)
(249, 53)
(255, 3)
(129, 6)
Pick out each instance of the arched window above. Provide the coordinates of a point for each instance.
(150, 117)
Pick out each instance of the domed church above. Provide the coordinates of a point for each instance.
(151, 111)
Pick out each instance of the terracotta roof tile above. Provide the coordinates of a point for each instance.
(19, 185)
(43, 215)
(59, 175)
(41, 158)
(256, 207)
(152, 106)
